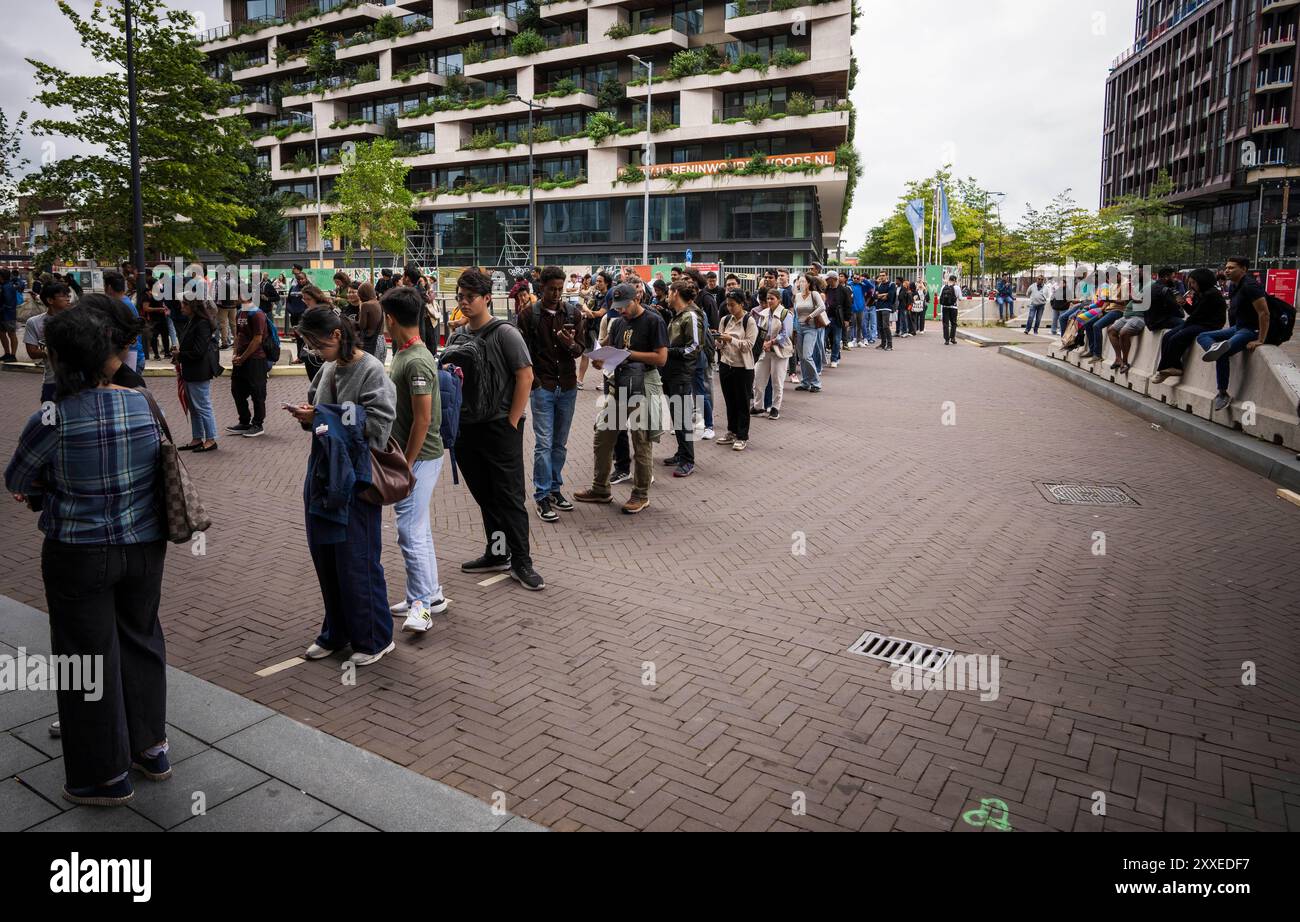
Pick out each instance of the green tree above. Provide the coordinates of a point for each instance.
(190, 160)
(1153, 239)
(12, 162)
(374, 204)
(264, 225)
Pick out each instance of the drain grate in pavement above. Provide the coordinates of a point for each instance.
(1087, 494)
(900, 651)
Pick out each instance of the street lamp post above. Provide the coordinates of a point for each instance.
(532, 224)
(647, 157)
(320, 224)
(137, 204)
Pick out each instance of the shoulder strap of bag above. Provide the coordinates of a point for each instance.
(157, 413)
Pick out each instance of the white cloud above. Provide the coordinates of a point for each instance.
(1011, 91)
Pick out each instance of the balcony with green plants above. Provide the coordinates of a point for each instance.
(322, 13)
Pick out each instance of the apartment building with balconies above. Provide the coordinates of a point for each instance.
(1208, 94)
(447, 80)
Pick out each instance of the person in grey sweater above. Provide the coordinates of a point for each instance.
(348, 565)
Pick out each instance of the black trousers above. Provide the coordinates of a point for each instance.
(882, 324)
(491, 456)
(737, 384)
(683, 418)
(949, 324)
(103, 601)
(1175, 343)
(918, 320)
(249, 381)
(158, 331)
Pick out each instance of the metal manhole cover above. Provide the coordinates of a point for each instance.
(901, 652)
(1088, 494)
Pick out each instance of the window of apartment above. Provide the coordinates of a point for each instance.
(412, 141)
(672, 217)
(734, 104)
(376, 110)
(589, 77)
(575, 222)
(259, 9)
(767, 213)
(296, 234)
(748, 147)
(687, 17)
(673, 110)
(766, 46)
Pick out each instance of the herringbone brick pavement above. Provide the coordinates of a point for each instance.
(1119, 673)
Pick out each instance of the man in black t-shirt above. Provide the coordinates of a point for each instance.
(1249, 329)
(635, 382)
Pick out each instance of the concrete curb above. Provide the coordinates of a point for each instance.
(1277, 464)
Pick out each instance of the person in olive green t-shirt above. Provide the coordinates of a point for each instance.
(419, 414)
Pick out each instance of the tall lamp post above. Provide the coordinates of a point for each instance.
(647, 157)
(137, 204)
(532, 224)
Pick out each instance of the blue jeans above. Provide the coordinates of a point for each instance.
(807, 359)
(1058, 320)
(834, 334)
(819, 350)
(1034, 318)
(415, 534)
(703, 387)
(1237, 338)
(1095, 326)
(203, 422)
(552, 412)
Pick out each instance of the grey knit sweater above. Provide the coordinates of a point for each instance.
(363, 382)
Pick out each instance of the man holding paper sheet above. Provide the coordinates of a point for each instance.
(634, 398)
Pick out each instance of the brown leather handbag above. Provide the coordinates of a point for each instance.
(391, 478)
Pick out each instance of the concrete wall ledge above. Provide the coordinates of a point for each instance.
(1278, 464)
(1265, 386)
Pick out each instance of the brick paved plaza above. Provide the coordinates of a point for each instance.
(1120, 673)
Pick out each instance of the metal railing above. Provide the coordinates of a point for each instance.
(782, 106)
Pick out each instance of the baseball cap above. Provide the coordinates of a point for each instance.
(623, 295)
(832, 274)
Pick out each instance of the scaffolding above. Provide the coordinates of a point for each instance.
(514, 252)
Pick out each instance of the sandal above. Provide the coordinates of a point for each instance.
(1123, 369)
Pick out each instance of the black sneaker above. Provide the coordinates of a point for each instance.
(241, 428)
(757, 411)
(559, 502)
(774, 413)
(620, 477)
(528, 578)
(545, 512)
(672, 462)
(684, 470)
(253, 432)
(486, 564)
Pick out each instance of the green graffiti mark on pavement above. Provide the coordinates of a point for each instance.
(981, 817)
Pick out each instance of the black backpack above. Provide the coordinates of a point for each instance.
(482, 377)
(1281, 321)
(948, 297)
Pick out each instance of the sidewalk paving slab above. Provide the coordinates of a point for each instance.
(238, 754)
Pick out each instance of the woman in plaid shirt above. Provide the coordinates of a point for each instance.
(90, 463)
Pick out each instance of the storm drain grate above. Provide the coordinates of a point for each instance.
(900, 651)
(1088, 494)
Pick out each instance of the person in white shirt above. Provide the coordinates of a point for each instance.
(949, 297)
(1039, 294)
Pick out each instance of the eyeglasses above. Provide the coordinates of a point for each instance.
(464, 297)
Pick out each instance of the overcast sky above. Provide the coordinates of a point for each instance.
(1008, 91)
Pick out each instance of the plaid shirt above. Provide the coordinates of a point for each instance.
(97, 464)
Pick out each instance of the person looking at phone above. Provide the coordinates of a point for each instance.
(554, 331)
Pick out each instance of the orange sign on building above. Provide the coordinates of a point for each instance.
(820, 158)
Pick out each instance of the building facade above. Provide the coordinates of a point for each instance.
(450, 82)
(1208, 94)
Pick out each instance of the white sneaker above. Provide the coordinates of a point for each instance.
(835, 364)
(708, 433)
(365, 659)
(316, 651)
(437, 606)
(400, 608)
(418, 621)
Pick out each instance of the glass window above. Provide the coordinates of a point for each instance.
(297, 234)
(747, 147)
(766, 214)
(259, 9)
(672, 217)
(575, 222)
